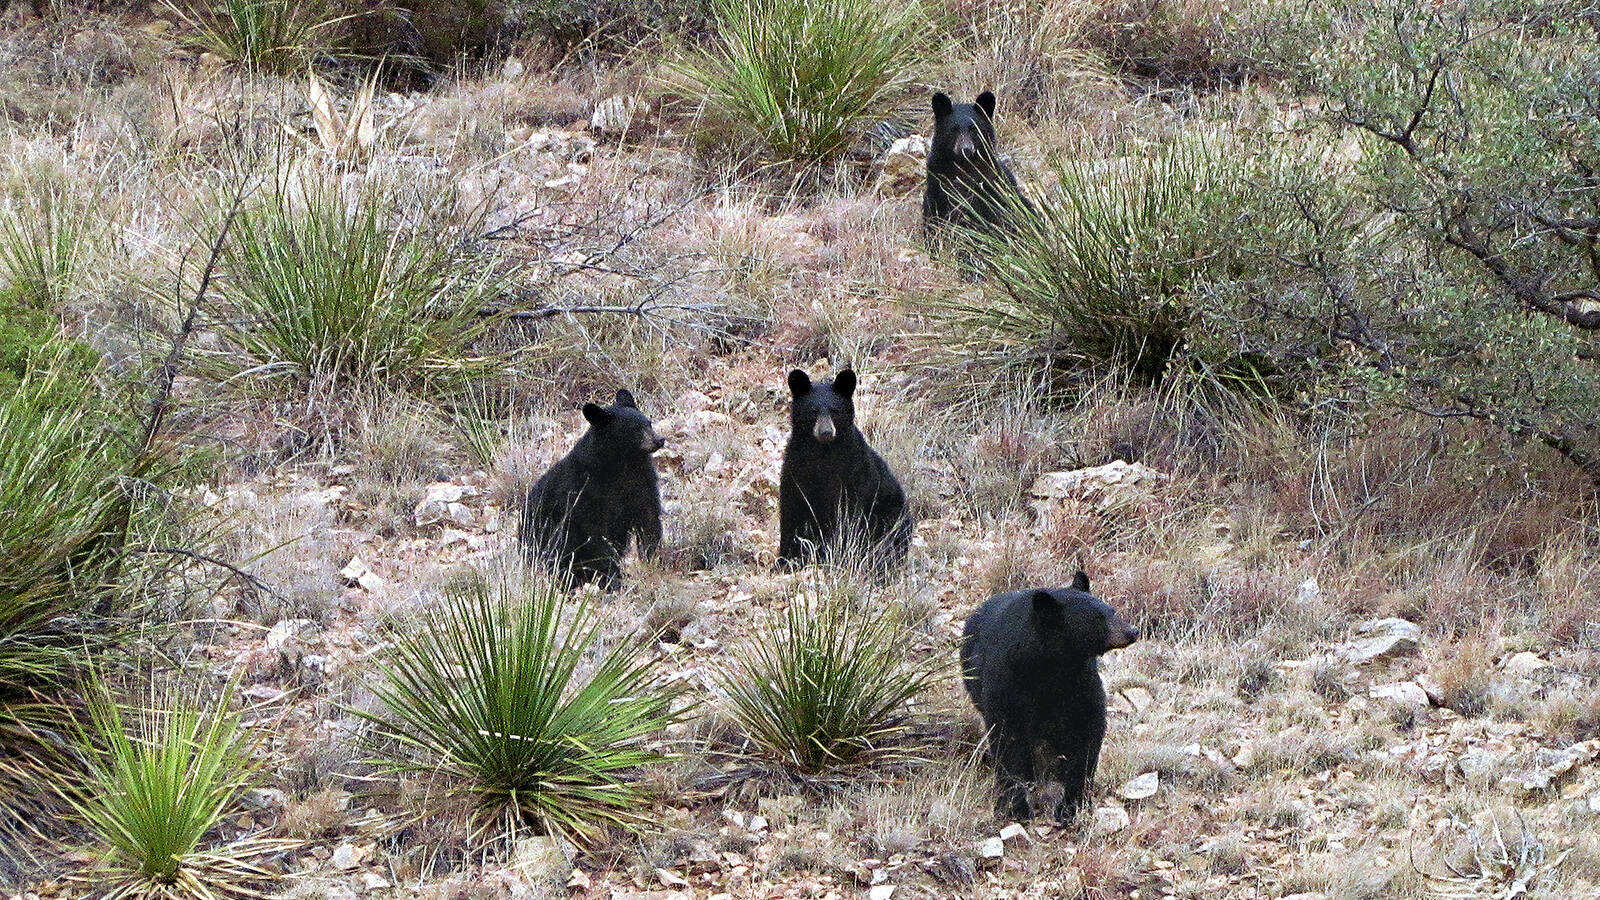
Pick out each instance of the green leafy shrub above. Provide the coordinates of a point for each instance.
(332, 289)
(158, 782)
(508, 692)
(827, 685)
(801, 82)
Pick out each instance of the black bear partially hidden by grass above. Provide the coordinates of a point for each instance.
(580, 514)
(836, 493)
(1029, 662)
(969, 186)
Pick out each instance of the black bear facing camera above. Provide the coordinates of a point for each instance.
(969, 187)
(835, 493)
(580, 514)
(1029, 660)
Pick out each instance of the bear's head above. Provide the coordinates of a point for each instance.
(1077, 623)
(963, 133)
(621, 428)
(822, 411)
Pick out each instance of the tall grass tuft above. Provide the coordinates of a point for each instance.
(332, 288)
(43, 245)
(798, 81)
(1101, 274)
(276, 36)
(828, 684)
(509, 692)
(157, 784)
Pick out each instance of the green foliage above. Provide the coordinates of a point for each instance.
(43, 244)
(1452, 261)
(277, 36)
(797, 81)
(66, 465)
(333, 288)
(158, 781)
(509, 692)
(1105, 272)
(827, 685)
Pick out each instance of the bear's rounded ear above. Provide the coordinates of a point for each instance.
(625, 398)
(1080, 582)
(844, 383)
(1045, 607)
(799, 383)
(985, 102)
(941, 105)
(596, 415)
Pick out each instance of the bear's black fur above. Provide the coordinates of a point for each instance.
(969, 186)
(580, 514)
(835, 492)
(1029, 662)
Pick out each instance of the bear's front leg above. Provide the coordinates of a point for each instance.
(1013, 775)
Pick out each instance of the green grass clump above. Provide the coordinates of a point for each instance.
(797, 81)
(44, 244)
(827, 685)
(277, 36)
(508, 692)
(333, 290)
(158, 782)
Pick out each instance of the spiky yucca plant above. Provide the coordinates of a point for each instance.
(828, 684)
(158, 782)
(277, 36)
(508, 693)
(801, 80)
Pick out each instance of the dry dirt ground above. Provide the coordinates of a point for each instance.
(1254, 749)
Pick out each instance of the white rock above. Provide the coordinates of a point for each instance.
(279, 635)
(347, 856)
(1405, 693)
(264, 798)
(437, 500)
(1106, 488)
(905, 165)
(1014, 830)
(881, 892)
(1524, 664)
(1478, 763)
(1594, 803)
(993, 848)
(356, 574)
(1554, 765)
(1141, 788)
(1109, 820)
(1138, 698)
(512, 69)
(671, 878)
(372, 881)
(1382, 639)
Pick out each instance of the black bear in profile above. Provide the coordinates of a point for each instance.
(969, 187)
(1029, 662)
(835, 492)
(580, 514)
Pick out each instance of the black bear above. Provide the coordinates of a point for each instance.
(969, 186)
(1029, 660)
(835, 492)
(580, 514)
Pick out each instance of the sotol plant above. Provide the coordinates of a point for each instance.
(828, 684)
(799, 81)
(508, 693)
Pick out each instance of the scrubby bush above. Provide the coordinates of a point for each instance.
(800, 82)
(609, 24)
(508, 693)
(332, 287)
(827, 685)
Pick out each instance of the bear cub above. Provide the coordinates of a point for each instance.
(969, 187)
(835, 492)
(580, 513)
(1029, 661)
